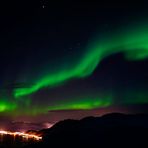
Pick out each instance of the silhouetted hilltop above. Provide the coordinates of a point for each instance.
(112, 130)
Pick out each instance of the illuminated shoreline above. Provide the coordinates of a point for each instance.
(21, 134)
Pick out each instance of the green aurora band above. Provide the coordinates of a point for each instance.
(6, 106)
(81, 104)
(73, 104)
(133, 44)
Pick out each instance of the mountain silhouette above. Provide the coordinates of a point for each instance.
(111, 130)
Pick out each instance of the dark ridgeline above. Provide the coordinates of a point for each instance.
(112, 130)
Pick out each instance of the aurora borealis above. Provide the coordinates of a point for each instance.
(133, 44)
(84, 58)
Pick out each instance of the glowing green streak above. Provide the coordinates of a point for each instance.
(7, 106)
(72, 104)
(133, 44)
(82, 104)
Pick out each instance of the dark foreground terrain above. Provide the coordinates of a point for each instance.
(112, 130)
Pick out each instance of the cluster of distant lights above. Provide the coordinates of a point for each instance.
(23, 135)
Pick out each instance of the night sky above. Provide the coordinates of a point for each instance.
(71, 60)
